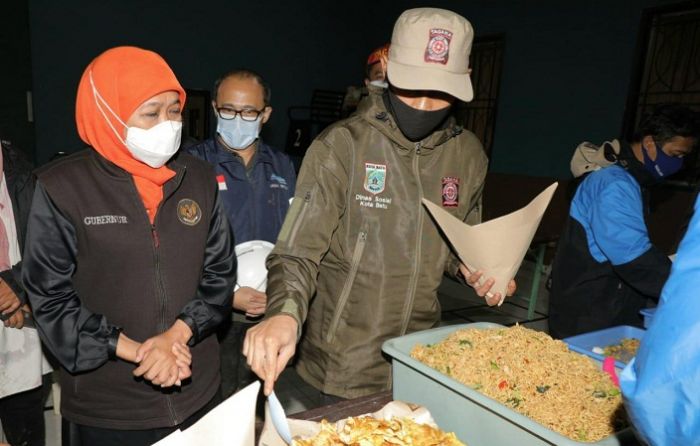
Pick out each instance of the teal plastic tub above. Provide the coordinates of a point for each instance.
(476, 419)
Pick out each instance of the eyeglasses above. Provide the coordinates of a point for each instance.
(228, 114)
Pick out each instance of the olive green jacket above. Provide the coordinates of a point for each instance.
(358, 257)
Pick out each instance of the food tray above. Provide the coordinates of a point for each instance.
(584, 343)
(476, 419)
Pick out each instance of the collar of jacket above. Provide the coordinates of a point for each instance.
(226, 155)
(116, 172)
(373, 110)
(631, 164)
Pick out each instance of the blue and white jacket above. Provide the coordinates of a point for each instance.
(605, 267)
(255, 200)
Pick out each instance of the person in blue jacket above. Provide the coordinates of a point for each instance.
(256, 182)
(660, 386)
(606, 267)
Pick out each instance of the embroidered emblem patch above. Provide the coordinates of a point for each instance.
(189, 212)
(438, 49)
(221, 181)
(450, 192)
(375, 178)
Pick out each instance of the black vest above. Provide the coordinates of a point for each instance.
(139, 276)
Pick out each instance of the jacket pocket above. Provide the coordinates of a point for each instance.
(345, 293)
(294, 219)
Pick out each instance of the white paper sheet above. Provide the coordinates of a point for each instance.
(231, 423)
(496, 247)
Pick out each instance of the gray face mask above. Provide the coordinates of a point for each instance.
(415, 124)
(237, 133)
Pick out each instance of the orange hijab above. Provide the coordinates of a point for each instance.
(125, 78)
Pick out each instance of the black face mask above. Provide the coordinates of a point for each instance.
(415, 124)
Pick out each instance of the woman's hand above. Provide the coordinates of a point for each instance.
(165, 359)
(183, 359)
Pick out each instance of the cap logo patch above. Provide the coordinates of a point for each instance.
(188, 212)
(450, 192)
(375, 178)
(438, 49)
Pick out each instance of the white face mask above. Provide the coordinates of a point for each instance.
(154, 146)
(237, 133)
(380, 83)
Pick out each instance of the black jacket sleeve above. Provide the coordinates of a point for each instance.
(212, 304)
(80, 339)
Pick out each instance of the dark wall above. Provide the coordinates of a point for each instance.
(15, 76)
(567, 64)
(297, 46)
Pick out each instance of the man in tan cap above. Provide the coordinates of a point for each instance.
(358, 258)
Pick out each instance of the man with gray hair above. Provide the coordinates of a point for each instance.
(357, 239)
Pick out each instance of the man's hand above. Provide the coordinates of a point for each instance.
(484, 290)
(268, 347)
(9, 302)
(16, 320)
(164, 359)
(249, 300)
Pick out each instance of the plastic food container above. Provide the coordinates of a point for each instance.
(648, 314)
(475, 418)
(587, 342)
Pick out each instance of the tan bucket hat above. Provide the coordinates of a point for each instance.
(430, 51)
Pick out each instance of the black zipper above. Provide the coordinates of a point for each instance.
(160, 288)
(164, 302)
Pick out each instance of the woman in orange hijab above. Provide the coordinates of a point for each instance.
(128, 263)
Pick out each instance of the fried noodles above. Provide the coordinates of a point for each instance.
(533, 374)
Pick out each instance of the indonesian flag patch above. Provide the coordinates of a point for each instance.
(221, 180)
(450, 192)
